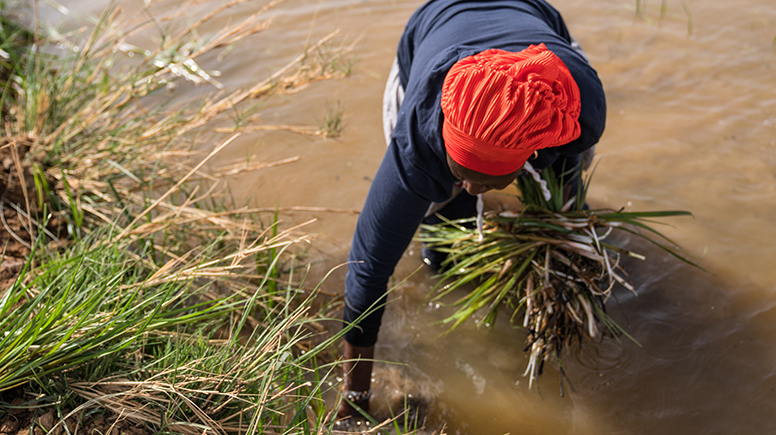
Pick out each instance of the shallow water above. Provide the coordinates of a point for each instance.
(691, 125)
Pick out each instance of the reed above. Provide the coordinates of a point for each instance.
(333, 120)
(552, 266)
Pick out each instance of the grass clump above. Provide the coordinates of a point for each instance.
(552, 265)
(333, 120)
(169, 347)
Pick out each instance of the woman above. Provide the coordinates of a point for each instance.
(480, 91)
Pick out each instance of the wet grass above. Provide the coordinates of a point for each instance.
(333, 120)
(641, 6)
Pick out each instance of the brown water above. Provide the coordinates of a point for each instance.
(691, 125)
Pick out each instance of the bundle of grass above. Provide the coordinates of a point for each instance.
(553, 264)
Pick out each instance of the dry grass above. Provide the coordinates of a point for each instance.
(84, 128)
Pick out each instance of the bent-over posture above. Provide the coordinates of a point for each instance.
(483, 87)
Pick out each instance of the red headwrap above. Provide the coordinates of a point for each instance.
(500, 107)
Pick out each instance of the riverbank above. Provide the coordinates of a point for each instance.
(134, 300)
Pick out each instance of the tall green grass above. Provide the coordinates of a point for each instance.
(171, 347)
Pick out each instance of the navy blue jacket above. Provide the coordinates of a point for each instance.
(414, 170)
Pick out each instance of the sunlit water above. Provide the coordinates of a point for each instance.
(691, 126)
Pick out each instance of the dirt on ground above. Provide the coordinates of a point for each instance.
(19, 208)
(14, 237)
(20, 413)
(21, 416)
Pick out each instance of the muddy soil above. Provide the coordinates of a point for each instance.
(23, 417)
(15, 237)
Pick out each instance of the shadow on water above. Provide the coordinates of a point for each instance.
(705, 364)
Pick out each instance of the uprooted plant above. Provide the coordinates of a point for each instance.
(553, 265)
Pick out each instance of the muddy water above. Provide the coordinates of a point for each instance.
(691, 125)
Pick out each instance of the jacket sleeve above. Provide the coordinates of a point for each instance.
(391, 214)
